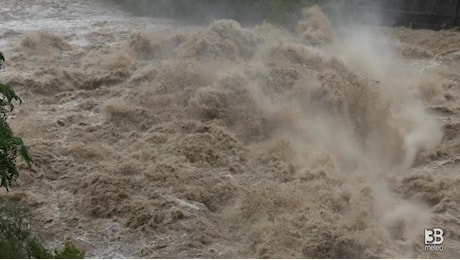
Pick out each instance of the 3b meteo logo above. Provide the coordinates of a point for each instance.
(433, 239)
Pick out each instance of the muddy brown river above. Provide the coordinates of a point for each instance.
(155, 138)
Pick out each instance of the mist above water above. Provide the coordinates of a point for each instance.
(158, 139)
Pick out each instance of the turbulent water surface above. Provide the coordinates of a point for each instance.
(152, 138)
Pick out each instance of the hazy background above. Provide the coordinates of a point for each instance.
(414, 13)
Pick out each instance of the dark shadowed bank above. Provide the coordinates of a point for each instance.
(281, 12)
(430, 14)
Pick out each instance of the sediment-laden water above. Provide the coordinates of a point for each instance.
(152, 138)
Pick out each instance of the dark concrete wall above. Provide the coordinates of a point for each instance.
(423, 13)
(431, 14)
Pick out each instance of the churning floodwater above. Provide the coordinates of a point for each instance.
(158, 138)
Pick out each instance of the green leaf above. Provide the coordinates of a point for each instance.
(70, 252)
(10, 145)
